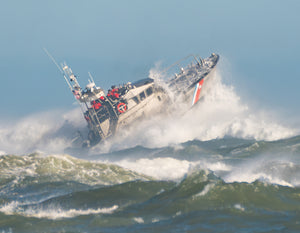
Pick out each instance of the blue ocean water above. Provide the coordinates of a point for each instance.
(221, 167)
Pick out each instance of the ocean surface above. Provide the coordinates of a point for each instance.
(221, 167)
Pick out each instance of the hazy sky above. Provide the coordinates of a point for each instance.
(120, 41)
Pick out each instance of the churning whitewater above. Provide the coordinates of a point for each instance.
(220, 113)
(220, 167)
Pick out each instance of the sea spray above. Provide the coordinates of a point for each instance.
(271, 168)
(220, 166)
(220, 113)
(49, 132)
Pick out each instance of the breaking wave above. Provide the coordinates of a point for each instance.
(220, 113)
(46, 132)
(41, 169)
(199, 195)
(219, 160)
(194, 184)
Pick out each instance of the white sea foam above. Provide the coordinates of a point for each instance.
(274, 170)
(168, 168)
(139, 220)
(58, 213)
(159, 168)
(9, 208)
(54, 212)
(2, 153)
(154, 220)
(220, 113)
(214, 166)
(239, 207)
(250, 177)
(50, 131)
(206, 189)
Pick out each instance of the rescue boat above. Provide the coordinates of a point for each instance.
(108, 112)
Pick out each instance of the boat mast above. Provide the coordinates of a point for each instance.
(53, 60)
(67, 73)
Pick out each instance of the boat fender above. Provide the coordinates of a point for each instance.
(122, 107)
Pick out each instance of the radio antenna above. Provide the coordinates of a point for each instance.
(61, 71)
(52, 58)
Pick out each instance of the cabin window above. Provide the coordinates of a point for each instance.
(136, 100)
(142, 96)
(149, 91)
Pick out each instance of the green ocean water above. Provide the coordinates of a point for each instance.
(221, 185)
(222, 166)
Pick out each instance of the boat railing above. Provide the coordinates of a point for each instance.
(179, 63)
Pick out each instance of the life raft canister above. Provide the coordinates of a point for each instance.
(122, 107)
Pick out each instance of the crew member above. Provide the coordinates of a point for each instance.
(96, 105)
(86, 116)
(76, 94)
(114, 93)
